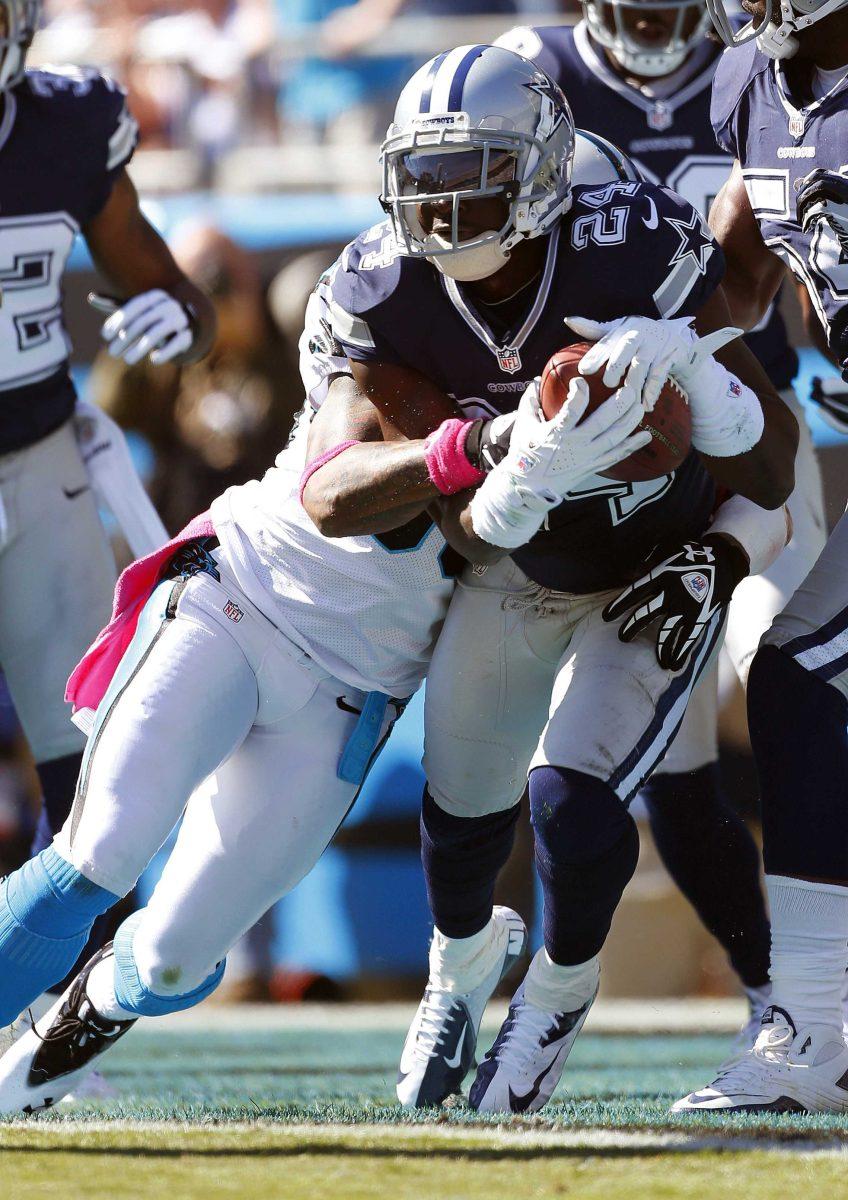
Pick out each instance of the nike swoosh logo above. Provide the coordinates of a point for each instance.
(653, 221)
(522, 1103)
(455, 1061)
(72, 493)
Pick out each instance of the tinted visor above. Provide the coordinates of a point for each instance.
(653, 25)
(427, 173)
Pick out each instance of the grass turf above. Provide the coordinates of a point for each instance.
(315, 1115)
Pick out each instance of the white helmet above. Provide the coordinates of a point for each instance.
(607, 21)
(475, 123)
(774, 33)
(18, 22)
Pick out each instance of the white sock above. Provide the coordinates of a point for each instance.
(809, 949)
(461, 964)
(560, 989)
(100, 990)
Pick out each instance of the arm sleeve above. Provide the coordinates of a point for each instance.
(360, 310)
(114, 138)
(728, 90)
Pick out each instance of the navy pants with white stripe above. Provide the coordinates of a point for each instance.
(524, 679)
(798, 716)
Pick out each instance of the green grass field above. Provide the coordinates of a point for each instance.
(260, 1105)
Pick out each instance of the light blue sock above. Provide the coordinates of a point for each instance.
(47, 909)
(134, 997)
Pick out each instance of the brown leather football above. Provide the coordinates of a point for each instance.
(670, 424)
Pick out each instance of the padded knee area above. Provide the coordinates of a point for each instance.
(800, 742)
(461, 857)
(170, 989)
(46, 911)
(587, 848)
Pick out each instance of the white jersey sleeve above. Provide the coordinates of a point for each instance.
(366, 609)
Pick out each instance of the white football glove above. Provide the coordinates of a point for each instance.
(547, 459)
(153, 323)
(726, 415)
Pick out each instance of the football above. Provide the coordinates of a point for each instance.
(670, 424)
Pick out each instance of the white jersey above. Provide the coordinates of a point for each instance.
(367, 609)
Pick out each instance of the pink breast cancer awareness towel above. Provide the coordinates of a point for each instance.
(92, 675)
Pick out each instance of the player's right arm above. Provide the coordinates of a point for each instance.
(753, 273)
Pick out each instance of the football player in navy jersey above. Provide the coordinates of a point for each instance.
(454, 306)
(640, 74)
(780, 107)
(65, 140)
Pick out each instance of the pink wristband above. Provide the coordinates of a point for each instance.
(310, 468)
(447, 464)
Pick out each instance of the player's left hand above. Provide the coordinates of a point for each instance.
(647, 350)
(683, 592)
(152, 323)
(823, 196)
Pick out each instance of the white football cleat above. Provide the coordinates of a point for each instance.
(94, 1087)
(57, 1053)
(526, 1062)
(439, 1048)
(788, 1070)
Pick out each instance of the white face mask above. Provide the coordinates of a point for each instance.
(467, 265)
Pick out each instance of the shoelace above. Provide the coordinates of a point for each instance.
(435, 1008)
(524, 1029)
(769, 1050)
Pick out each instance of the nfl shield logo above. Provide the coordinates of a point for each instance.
(232, 610)
(660, 117)
(796, 125)
(509, 360)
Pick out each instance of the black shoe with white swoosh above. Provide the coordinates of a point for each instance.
(523, 1067)
(57, 1053)
(439, 1048)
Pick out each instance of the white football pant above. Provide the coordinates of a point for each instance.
(523, 677)
(214, 690)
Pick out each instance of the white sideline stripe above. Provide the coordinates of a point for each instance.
(472, 1137)
(696, 1015)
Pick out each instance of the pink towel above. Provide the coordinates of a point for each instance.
(92, 675)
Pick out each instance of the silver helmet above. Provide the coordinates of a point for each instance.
(611, 24)
(473, 124)
(18, 22)
(775, 32)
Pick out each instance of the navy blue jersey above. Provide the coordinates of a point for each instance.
(625, 249)
(64, 137)
(670, 140)
(780, 133)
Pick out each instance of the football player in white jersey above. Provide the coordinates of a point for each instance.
(641, 71)
(66, 137)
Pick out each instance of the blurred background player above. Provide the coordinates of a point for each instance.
(65, 140)
(780, 107)
(640, 74)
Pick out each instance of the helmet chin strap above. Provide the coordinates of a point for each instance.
(470, 263)
(777, 41)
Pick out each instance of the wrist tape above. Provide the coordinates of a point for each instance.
(727, 418)
(762, 533)
(503, 513)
